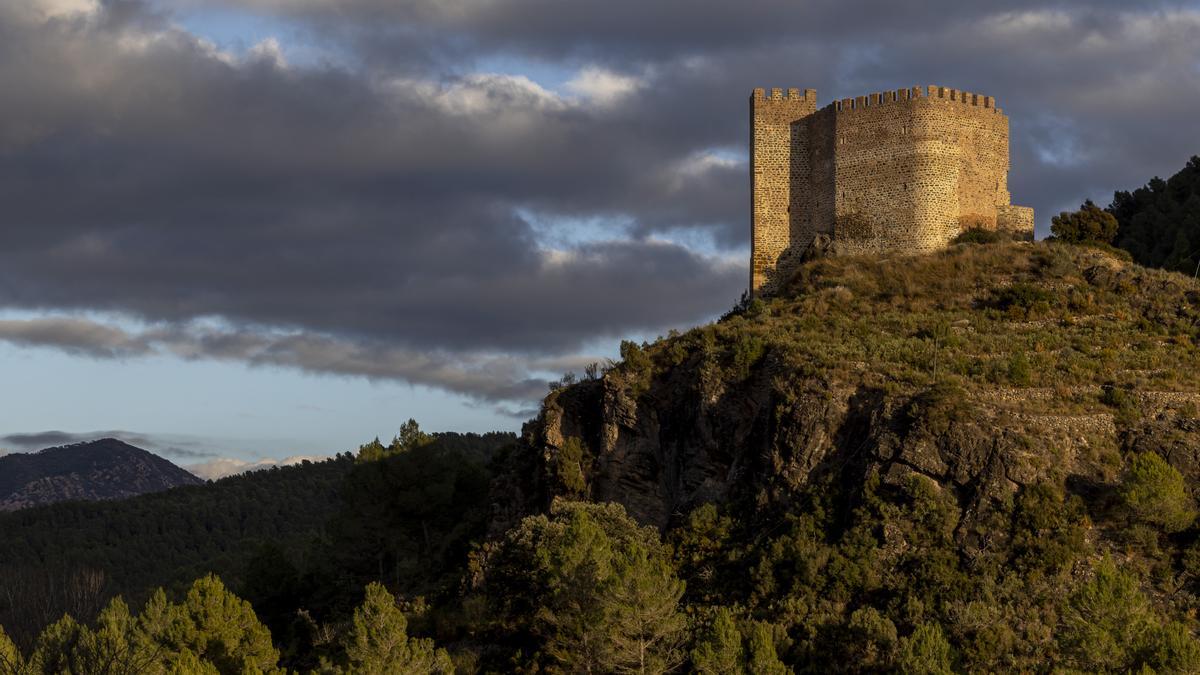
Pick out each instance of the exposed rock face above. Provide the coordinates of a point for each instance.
(683, 443)
(103, 469)
(663, 440)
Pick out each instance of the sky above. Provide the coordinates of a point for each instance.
(244, 230)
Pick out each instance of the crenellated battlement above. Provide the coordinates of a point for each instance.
(900, 170)
(777, 94)
(900, 96)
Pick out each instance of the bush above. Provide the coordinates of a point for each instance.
(1155, 493)
(635, 356)
(1107, 619)
(1019, 372)
(747, 351)
(978, 235)
(1022, 296)
(1090, 224)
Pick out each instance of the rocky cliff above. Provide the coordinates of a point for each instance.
(985, 368)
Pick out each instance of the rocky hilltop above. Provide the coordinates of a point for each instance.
(102, 469)
(986, 368)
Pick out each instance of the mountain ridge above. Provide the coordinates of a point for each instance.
(102, 469)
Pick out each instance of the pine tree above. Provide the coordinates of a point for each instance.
(761, 657)
(1156, 493)
(211, 623)
(642, 611)
(595, 587)
(718, 651)
(11, 660)
(925, 652)
(378, 643)
(112, 647)
(1089, 224)
(53, 651)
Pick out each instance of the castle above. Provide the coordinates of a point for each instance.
(904, 170)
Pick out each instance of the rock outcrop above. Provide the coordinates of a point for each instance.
(751, 410)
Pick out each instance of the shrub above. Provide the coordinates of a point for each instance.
(569, 467)
(747, 351)
(1107, 618)
(1022, 296)
(1173, 649)
(635, 357)
(1155, 493)
(1019, 372)
(978, 235)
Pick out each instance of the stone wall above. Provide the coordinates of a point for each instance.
(778, 176)
(904, 170)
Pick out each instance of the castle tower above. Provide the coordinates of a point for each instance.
(904, 170)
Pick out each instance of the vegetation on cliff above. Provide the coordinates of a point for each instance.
(982, 459)
(963, 461)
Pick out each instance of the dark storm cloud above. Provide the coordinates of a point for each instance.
(146, 173)
(625, 31)
(399, 216)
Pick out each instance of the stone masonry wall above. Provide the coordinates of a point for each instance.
(778, 177)
(904, 170)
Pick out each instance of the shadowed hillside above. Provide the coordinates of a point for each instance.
(103, 469)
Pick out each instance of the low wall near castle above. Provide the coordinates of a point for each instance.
(1015, 219)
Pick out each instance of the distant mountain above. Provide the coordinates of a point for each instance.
(103, 469)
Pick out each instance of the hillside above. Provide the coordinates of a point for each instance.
(986, 367)
(341, 519)
(977, 460)
(102, 469)
(73, 556)
(946, 440)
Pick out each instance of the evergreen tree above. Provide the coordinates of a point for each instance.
(113, 648)
(1090, 224)
(925, 652)
(592, 585)
(642, 609)
(718, 650)
(211, 623)
(55, 647)
(378, 643)
(1107, 619)
(1159, 223)
(1156, 493)
(11, 660)
(761, 657)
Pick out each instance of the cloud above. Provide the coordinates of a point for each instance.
(227, 466)
(407, 212)
(171, 446)
(74, 336)
(603, 86)
(496, 378)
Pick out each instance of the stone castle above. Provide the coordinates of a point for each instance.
(904, 170)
